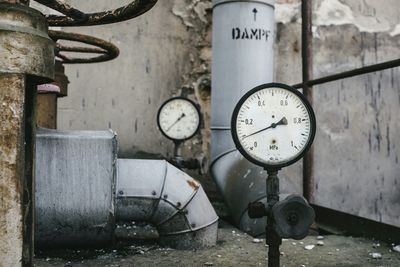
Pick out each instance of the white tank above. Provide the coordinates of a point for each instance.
(242, 45)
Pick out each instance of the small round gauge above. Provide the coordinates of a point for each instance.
(178, 118)
(273, 125)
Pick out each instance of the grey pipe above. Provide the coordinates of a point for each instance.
(75, 185)
(242, 44)
(157, 192)
(83, 191)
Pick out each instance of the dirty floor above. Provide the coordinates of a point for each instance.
(235, 248)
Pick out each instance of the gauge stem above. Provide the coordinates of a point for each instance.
(273, 240)
(177, 149)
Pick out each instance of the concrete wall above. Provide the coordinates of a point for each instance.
(164, 53)
(356, 147)
(167, 52)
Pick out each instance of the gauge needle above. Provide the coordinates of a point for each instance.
(283, 121)
(169, 128)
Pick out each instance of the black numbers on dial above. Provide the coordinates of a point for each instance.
(297, 120)
(284, 102)
(248, 121)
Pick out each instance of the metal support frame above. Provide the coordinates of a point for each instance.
(309, 81)
(351, 73)
(308, 160)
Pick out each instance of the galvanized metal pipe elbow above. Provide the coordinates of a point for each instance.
(155, 191)
(83, 192)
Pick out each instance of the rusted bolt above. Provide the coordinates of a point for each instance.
(154, 193)
(120, 192)
(193, 225)
(165, 196)
(186, 212)
(178, 204)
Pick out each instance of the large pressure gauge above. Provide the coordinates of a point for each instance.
(178, 118)
(273, 125)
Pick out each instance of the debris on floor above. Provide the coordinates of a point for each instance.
(232, 251)
(257, 240)
(309, 247)
(376, 255)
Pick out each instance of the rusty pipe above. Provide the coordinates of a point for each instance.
(307, 68)
(107, 50)
(127, 12)
(65, 9)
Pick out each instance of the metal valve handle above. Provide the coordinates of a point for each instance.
(107, 50)
(75, 17)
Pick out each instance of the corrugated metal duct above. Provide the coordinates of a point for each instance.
(81, 194)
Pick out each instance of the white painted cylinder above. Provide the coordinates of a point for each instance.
(243, 38)
(243, 34)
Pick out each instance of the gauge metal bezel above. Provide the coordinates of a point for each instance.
(234, 129)
(190, 102)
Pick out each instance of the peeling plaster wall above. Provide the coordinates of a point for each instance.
(357, 167)
(356, 148)
(164, 53)
(167, 52)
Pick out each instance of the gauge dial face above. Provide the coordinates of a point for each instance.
(178, 118)
(273, 125)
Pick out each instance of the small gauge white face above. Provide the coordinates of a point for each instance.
(178, 119)
(273, 126)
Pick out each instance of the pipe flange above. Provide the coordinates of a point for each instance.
(48, 88)
(25, 45)
(266, 2)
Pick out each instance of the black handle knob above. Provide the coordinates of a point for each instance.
(257, 210)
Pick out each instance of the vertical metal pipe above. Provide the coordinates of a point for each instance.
(16, 184)
(20, 73)
(272, 238)
(308, 161)
(29, 179)
(47, 111)
(46, 107)
(16, 167)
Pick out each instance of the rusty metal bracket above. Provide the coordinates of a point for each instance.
(106, 50)
(74, 17)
